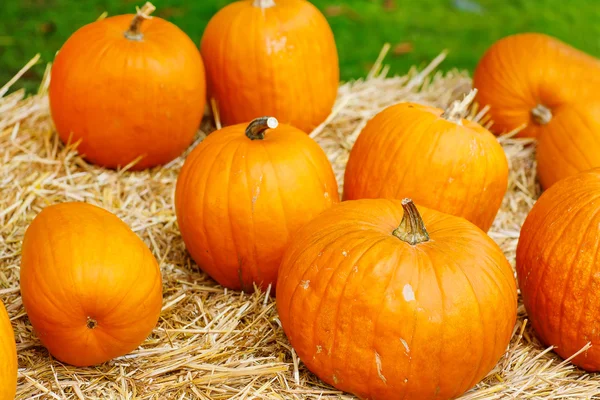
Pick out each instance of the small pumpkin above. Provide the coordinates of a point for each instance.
(557, 267)
(271, 57)
(436, 157)
(8, 357)
(90, 286)
(378, 298)
(528, 79)
(244, 192)
(128, 87)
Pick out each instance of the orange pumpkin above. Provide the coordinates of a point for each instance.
(242, 194)
(8, 357)
(378, 300)
(528, 79)
(90, 286)
(437, 158)
(557, 267)
(271, 57)
(126, 88)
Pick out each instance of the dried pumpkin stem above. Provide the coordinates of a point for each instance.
(91, 323)
(412, 229)
(541, 114)
(458, 109)
(256, 129)
(133, 33)
(264, 3)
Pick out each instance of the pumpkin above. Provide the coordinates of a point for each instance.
(436, 157)
(271, 57)
(128, 88)
(8, 355)
(384, 299)
(90, 286)
(242, 194)
(528, 79)
(557, 267)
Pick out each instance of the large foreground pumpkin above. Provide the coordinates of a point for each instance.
(126, 88)
(436, 157)
(244, 192)
(90, 286)
(558, 269)
(384, 304)
(8, 357)
(271, 57)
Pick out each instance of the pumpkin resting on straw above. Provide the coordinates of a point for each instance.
(8, 357)
(378, 301)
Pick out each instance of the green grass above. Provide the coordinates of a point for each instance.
(361, 28)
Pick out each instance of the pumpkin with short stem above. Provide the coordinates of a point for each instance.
(436, 157)
(529, 79)
(90, 286)
(558, 270)
(378, 297)
(271, 57)
(244, 192)
(8, 357)
(128, 88)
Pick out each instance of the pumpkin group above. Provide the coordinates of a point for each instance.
(90, 286)
(558, 270)
(271, 57)
(8, 357)
(379, 298)
(128, 90)
(244, 192)
(550, 90)
(436, 157)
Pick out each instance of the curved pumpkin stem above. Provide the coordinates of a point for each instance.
(133, 33)
(458, 109)
(541, 114)
(412, 229)
(264, 3)
(256, 129)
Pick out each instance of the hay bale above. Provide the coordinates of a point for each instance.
(210, 342)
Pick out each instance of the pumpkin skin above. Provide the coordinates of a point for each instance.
(125, 98)
(407, 150)
(239, 201)
(557, 269)
(90, 286)
(284, 39)
(382, 317)
(8, 355)
(524, 77)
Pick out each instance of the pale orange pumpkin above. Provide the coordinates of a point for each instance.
(387, 300)
(244, 192)
(128, 88)
(90, 286)
(8, 357)
(271, 57)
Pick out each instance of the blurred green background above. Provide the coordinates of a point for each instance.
(417, 29)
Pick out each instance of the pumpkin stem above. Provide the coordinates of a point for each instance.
(412, 229)
(91, 323)
(264, 3)
(256, 129)
(541, 114)
(458, 109)
(133, 33)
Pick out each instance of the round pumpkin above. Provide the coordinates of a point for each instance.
(8, 357)
(90, 286)
(384, 300)
(437, 158)
(244, 192)
(271, 57)
(128, 88)
(557, 267)
(528, 79)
